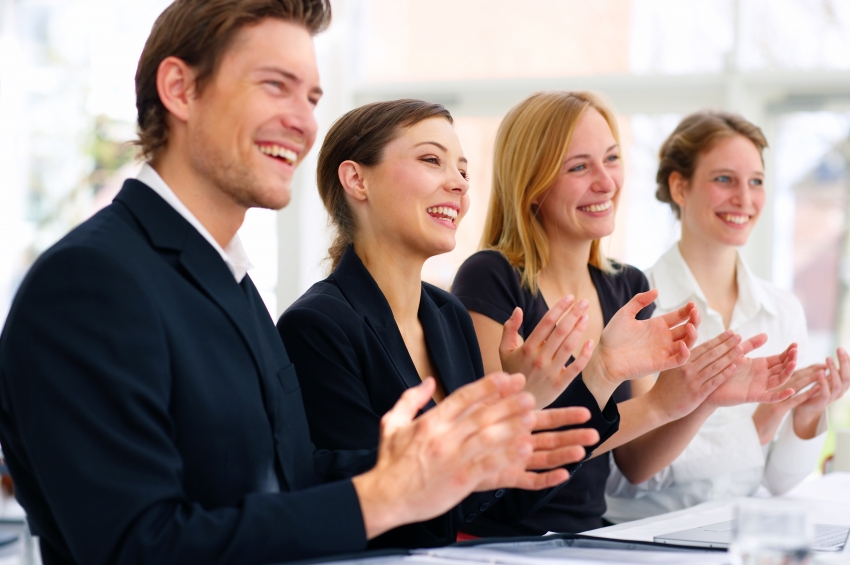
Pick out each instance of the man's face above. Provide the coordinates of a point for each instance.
(253, 122)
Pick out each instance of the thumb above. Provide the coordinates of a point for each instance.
(639, 302)
(510, 332)
(410, 403)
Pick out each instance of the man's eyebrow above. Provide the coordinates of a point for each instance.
(290, 77)
(442, 147)
(586, 156)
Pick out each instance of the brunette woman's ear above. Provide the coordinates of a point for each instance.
(677, 184)
(351, 178)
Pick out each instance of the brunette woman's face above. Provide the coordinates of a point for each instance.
(417, 194)
(580, 205)
(723, 200)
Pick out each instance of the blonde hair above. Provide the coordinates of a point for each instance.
(530, 147)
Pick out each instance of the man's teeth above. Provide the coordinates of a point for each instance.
(736, 218)
(446, 211)
(281, 152)
(597, 207)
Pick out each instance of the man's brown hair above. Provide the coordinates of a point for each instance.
(199, 32)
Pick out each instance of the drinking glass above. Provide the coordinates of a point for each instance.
(769, 532)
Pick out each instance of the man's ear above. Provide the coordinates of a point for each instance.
(175, 83)
(351, 177)
(677, 184)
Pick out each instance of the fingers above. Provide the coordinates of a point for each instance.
(577, 366)
(704, 348)
(722, 349)
(509, 419)
(540, 481)
(730, 351)
(565, 337)
(691, 338)
(641, 301)
(559, 417)
(547, 324)
(549, 441)
(675, 318)
(551, 459)
(510, 332)
(754, 343)
(466, 397)
(408, 405)
(803, 397)
(772, 397)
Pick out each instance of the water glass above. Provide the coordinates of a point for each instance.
(769, 532)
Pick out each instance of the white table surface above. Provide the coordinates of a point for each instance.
(827, 500)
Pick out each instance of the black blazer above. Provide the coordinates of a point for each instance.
(149, 412)
(353, 366)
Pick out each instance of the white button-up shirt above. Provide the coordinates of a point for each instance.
(725, 459)
(234, 254)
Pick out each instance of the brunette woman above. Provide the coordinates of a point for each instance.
(711, 173)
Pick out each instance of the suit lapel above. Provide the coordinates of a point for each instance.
(365, 296)
(203, 266)
(448, 349)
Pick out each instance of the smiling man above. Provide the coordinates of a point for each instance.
(149, 412)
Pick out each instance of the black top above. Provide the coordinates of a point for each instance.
(353, 366)
(487, 283)
(149, 412)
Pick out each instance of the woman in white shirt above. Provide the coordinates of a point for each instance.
(712, 175)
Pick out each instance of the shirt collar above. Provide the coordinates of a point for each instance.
(672, 274)
(234, 254)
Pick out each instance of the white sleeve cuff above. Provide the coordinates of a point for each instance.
(728, 448)
(791, 458)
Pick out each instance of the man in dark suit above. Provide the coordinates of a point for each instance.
(148, 410)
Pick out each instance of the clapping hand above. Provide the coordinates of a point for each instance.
(551, 449)
(679, 391)
(758, 380)
(543, 356)
(478, 438)
(631, 348)
(831, 385)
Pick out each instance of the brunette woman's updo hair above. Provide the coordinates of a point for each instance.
(695, 135)
(360, 136)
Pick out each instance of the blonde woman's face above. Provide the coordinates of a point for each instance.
(725, 197)
(580, 205)
(418, 192)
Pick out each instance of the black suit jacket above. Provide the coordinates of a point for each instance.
(149, 412)
(353, 366)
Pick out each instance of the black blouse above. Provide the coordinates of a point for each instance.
(487, 283)
(352, 365)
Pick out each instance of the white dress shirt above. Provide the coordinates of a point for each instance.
(234, 254)
(725, 459)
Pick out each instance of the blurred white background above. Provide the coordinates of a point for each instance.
(67, 109)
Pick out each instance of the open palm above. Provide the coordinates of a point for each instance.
(758, 380)
(631, 348)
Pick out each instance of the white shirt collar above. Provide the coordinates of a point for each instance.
(234, 254)
(672, 273)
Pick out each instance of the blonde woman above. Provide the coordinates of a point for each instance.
(711, 174)
(556, 183)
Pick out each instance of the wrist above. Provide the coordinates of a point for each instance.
(598, 380)
(381, 512)
(805, 424)
(766, 419)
